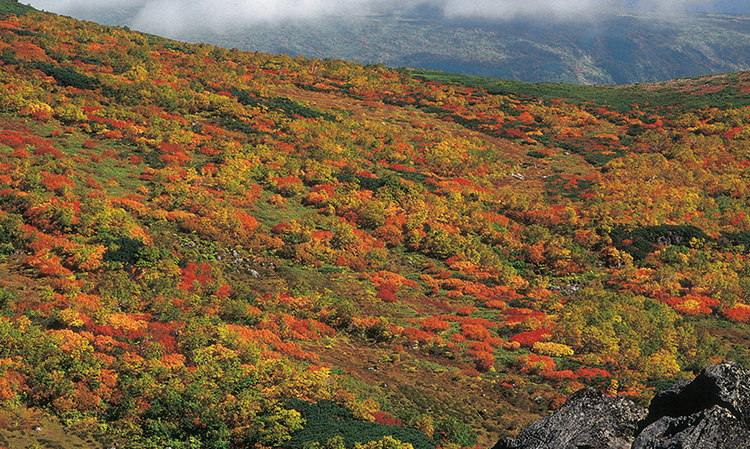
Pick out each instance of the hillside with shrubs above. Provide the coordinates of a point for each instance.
(208, 248)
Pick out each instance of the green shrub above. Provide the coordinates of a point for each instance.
(327, 420)
(68, 77)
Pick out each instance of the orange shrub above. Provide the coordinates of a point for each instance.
(559, 376)
(527, 339)
(247, 221)
(536, 364)
(294, 350)
(298, 329)
(474, 331)
(483, 360)
(435, 324)
(466, 311)
(738, 314)
(458, 338)
(519, 315)
(495, 341)
(495, 304)
(287, 186)
(390, 280)
(693, 304)
(49, 266)
(8, 386)
(56, 183)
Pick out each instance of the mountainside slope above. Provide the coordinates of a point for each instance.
(205, 247)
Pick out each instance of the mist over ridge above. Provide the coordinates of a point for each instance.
(174, 16)
(584, 42)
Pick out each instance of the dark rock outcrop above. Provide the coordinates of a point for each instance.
(715, 428)
(710, 412)
(588, 419)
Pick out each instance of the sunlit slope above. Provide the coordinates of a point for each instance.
(218, 248)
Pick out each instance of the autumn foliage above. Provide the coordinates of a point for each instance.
(191, 238)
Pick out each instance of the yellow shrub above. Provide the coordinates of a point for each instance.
(552, 349)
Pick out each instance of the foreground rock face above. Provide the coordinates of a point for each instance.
(712, 411)
(587, 419)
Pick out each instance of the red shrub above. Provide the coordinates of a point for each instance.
(693, 304)
(42, 151)
(164, 334)
(415, 335)
(386, 419)
(280, 228)
(527, 339)
(193, 273)
(559, 376)
(386, 295)
(19, 154)
(90, 144)
(588, 373)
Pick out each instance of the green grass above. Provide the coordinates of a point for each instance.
(615, 98)
(22, 427)
(13, 7)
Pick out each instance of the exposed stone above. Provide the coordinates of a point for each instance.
(726, 385)
(710, 412)
(714, 428)
(588, 419)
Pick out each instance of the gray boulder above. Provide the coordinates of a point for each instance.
(714, 428)
(588, 419)
(711, 411)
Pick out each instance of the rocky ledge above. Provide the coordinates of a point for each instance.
(711, 411)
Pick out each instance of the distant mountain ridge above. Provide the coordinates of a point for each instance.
(621, 49)
(618, 48)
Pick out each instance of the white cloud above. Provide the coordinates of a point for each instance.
(168, 17)
(535, 9)
(174, 14)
